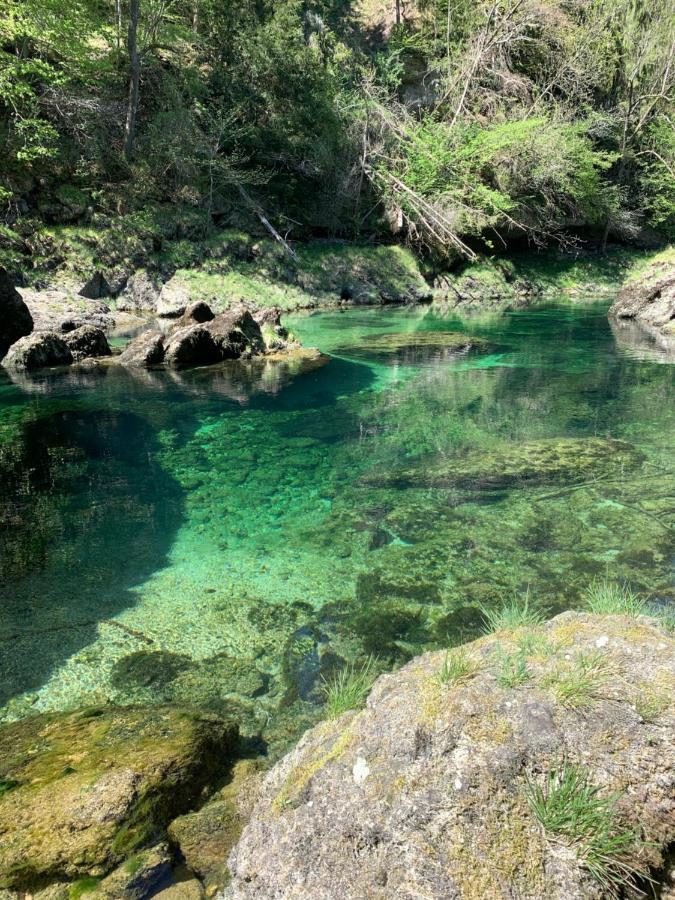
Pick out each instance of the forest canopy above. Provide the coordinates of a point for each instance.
(450, 124)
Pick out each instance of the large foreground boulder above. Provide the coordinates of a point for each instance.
(15, 318)
(87, 341)
(451, 783)
(82, 791)
(649, 299)
(38, 350)
(236, 332)
(191, 346)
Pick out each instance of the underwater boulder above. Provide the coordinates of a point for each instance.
(551, 460)
(415, 347)
(82, 791)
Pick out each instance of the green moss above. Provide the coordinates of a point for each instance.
(82, 886)
(300, 777)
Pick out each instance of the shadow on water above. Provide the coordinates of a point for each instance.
(86, 514)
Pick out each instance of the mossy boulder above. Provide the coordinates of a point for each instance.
(415, 347)
(427, 792)
(549, 460)
(83, 791)
(648, 297)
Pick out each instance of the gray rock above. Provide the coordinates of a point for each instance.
(173, 299)
(191, 346)
(87, 341)
(650, 301)
(425, 792)
(96, 288)
(145, 350)
(37, 351)
(236, 333)
(141, 292)
(15, 318)
(198, 312)
(60, 310)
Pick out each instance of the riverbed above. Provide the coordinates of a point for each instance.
(229, 537)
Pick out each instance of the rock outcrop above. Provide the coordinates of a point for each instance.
(145, 350)
(191, 346)
(649, 299)
(87, 341)
(83, 791)
(173, 299)
(15, 318)
(140, 293)
(435, 789)
(57, 310)
(39, 350)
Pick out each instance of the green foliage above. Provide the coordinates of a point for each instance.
(576, 683)
(82, 887)
(518, 612)
(349, 688)
(568, 806)
(604, 597)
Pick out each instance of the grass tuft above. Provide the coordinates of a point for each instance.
(513, 670)
(606, 598)
(516, 613)
(580, 682)
(457, 666)
(348, 688)
(568, 806)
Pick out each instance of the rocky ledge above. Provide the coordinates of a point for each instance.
(86, 797)
(648, 300)
(534, 763)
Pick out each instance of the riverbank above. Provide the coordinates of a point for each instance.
(144, 266)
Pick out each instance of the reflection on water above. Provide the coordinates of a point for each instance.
(228, 537)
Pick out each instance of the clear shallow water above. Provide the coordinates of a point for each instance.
(226, 537)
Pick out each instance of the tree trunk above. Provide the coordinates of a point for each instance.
(195, 17)
(134, 78)
(398, 12)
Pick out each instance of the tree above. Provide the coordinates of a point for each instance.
(134, 78)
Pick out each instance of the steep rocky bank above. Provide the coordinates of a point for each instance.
(432, 789)
(647, 300)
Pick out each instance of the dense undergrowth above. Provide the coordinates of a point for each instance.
(460, 127)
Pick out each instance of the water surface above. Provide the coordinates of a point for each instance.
(228, 537)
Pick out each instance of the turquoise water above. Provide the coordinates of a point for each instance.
(228, 537)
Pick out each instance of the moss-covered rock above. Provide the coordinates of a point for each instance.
(85, 790)
(648, 297)
(428, 790)
(531, 462)
(415, 346)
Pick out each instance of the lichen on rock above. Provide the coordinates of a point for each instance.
(426, 792)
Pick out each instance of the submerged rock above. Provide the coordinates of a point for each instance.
(87, 341)
(38, 350)
(427, 792)
(531, 462)
(15, 318)
(82, 791)
(416, 346)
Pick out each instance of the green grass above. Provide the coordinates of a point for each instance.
(535, 643)
(579, 683)
(513, 670)
(568, 806)
(457, 666)
(86, 885)
(516, 613)
(607, 598)
(349, 687)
